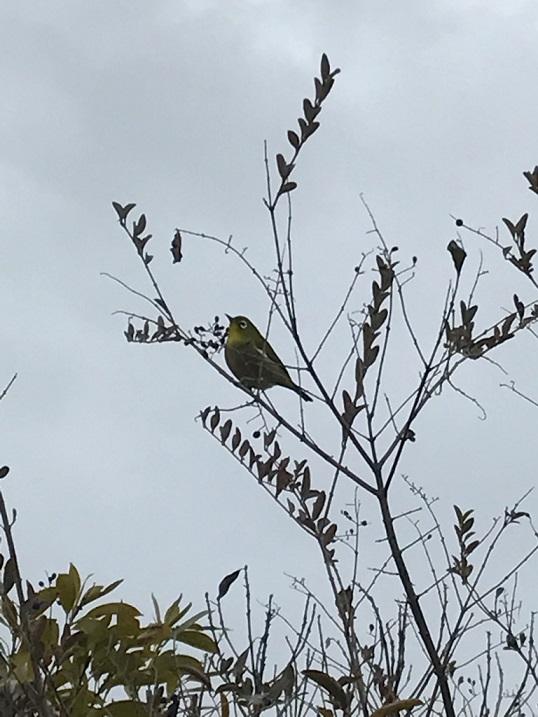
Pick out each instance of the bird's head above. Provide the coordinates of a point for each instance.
(241, 330)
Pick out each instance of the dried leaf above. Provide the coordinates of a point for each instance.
(318, 505)
(394, 708)
(458, 255)
(176, 247)
(330, 685)
(328, 535)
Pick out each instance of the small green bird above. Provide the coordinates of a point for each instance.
(253, 361)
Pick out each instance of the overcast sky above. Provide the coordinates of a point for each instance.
(167, 104)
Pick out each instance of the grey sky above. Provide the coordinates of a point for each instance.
(167, 104)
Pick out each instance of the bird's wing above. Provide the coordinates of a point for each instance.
(270, 361)
(269, 353)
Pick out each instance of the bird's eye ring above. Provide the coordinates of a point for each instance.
(243, 324)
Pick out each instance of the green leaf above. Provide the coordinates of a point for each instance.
(51, 633)
(75, 577)
(67, 590)
(126, 708)
(196, 638)
(173, 613)
(156, 608)
(190, 666)
(10, 575)
(120, 609)
(22, 666)
(97, 591)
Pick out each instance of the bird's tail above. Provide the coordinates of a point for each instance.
(302, 393)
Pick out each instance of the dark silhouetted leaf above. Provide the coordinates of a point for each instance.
(328, 535)
(240, 663)
(215, 418)
(318, 505)
(288, 187)
(511, 227)
(176, 247)
(283, 479)
(225, 430)
(161, 303)
(226, 583)
(139, 225)
(458, 255)
(283, 168)
(522, 223)
(325, 67)
(293, 139)
(204, 414)
(10, 575)
(4, 470)
(310, 129)
(394, 708)
(471, 547)
(236, 440)
(122, 212)
(244, 449)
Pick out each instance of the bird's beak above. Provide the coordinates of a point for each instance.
(228, 317)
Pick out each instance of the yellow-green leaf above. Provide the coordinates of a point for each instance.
(50, 634)
(175, 613)
(9, 613)
(95, 628)
(126, 708)
(75, 577)
(396, 707)
(120, 609)
(67, 590)
(197, 639)
(98, 591)
(43, 600)
(22, 666)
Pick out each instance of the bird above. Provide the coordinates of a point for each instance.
(252, 360)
